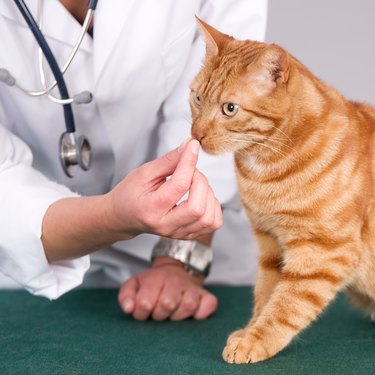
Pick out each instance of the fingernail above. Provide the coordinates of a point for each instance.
(195, 147)
(127, 305)
(183, 144)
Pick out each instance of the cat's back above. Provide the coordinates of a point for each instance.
(365, 117)
(366, 114)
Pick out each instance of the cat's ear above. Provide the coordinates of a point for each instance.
(269, 70)
(276, 62)
(215, 40)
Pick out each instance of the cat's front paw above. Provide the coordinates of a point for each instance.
(243, 348)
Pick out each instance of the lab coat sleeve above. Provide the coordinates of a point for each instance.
(242, 19)
(25, 195)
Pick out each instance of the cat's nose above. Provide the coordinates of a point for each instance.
(198, 136)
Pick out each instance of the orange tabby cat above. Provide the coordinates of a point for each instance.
(304, 158)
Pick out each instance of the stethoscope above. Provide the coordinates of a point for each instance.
(73, 150)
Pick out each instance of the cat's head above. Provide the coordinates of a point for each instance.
(239, 97)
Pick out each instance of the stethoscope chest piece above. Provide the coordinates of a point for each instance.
(74, 152)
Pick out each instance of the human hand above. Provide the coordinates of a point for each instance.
(166, 291)
(146, 200)
(143, 202)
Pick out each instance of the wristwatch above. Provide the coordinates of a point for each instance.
(195, 256)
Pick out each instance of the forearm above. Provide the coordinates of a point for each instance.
(73, 227)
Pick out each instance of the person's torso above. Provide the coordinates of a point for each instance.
(138, 53)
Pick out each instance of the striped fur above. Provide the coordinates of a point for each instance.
(304, 157)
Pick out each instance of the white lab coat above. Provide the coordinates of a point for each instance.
(138, 66)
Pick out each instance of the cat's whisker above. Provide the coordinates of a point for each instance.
(246, 140)
(270, 139)
(270, 148)
(247, 136)
(286, 135)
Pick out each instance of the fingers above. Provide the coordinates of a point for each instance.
(127, 295)
(179, 184)
(139, 296)
(210, 219)
(147, 298)
(166, 164)
(194, 302)
(166, 292)
(168, 302)
(200, 214)
(208, 305)
(188, 306)
(195, 207)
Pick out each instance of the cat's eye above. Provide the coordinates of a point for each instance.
(196, 98)
(230, 109)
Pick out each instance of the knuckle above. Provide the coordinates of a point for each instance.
(181, 186)
(218, 224)
(167, 304)
(144, 304)
(189, 305)
(168, 157)
(196, 211)
(207, 222)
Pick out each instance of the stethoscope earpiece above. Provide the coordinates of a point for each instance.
(74, 152)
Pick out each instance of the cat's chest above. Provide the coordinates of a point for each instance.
(269, 202)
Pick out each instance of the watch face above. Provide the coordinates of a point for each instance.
(196, 256)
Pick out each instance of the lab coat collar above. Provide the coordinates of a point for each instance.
(59, 25)
(110, 19)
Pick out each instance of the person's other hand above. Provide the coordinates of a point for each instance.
(166, 291)
(146, 200)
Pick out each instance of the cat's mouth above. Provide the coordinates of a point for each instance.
(207, 147)
(211, 143)
(211, 147)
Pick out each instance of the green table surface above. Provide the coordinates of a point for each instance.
(84, 332)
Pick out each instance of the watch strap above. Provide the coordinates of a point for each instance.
(195, 256)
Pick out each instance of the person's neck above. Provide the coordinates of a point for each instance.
(77, 8)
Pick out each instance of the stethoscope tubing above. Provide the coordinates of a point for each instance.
(68, 111)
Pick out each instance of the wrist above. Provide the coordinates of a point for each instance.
(115, 223)
(167, 262)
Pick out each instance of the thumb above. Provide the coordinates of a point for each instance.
(208, 305)
(165, 165)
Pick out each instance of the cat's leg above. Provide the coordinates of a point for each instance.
(268, 275)
(310, 278)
